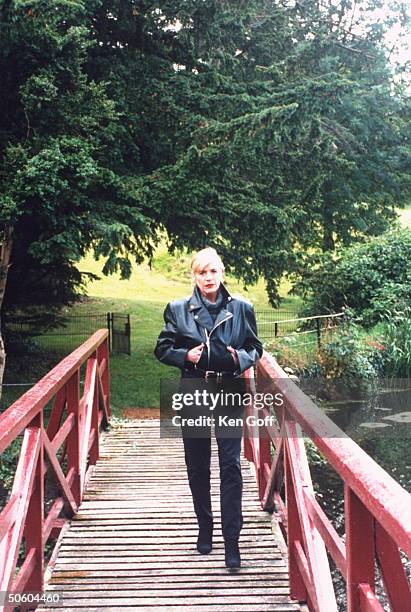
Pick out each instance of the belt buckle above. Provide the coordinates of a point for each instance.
(207, 374)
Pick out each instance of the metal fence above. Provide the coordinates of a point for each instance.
(120, 332)
(268, 321)
(275, 327)
(72, 330)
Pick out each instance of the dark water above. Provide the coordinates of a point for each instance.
(378, 417)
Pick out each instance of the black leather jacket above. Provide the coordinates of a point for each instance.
(188, 324)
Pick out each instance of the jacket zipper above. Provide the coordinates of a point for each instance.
(207, 335)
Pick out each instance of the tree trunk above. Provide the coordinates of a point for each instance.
(5, 252)
(328, 229)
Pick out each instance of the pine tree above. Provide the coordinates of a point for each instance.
(270, 130)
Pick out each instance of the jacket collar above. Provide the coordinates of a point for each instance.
(201, 314)
(195, 300)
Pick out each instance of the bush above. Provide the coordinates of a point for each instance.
(389, 298)
(349, 356)
(8, 464)
(397, 335)
(368, 278)
(291, 351)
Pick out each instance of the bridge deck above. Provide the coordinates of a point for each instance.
(132, 544)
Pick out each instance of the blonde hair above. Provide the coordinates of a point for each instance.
(204, 258)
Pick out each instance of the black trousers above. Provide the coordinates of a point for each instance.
(197, 450)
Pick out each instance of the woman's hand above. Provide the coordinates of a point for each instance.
(194, 354)
(233, 354)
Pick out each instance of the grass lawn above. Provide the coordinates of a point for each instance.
(405, 216)
(135, 379)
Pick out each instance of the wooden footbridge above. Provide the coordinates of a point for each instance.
(121, 520)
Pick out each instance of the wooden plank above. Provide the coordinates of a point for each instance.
(238, 607)
(231, 592)
(168, 552)
(145, 520)
(65, 574)
(171, 600)
(201, 582)
(163, 551)
(205, 561)
(142, 542)
(132, 547)
(142, 560)
(163, 531)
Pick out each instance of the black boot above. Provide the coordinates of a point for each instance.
(205, 539)
(232, 554)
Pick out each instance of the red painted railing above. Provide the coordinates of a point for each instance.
(73, 429)
(377, 508)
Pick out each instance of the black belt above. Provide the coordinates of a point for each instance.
(206, 374)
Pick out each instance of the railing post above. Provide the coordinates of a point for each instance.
(73, 439)
(103, 353)
(360, 547)
(265, 459)
(392, 569)
(33, 533)
(248, 449)
(248, 446)
(95, 447)
(294, 533)
(109, 327)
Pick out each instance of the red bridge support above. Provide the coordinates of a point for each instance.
(72, 433)
(377, 508)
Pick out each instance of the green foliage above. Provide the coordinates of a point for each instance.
(370, 278)
(314, 456)
(8, 464)
(391, 297)
(348, 356)
(397, 338)
(294, 350)
(57, 132)
(267, 130)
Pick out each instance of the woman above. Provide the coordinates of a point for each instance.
(212, 337)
